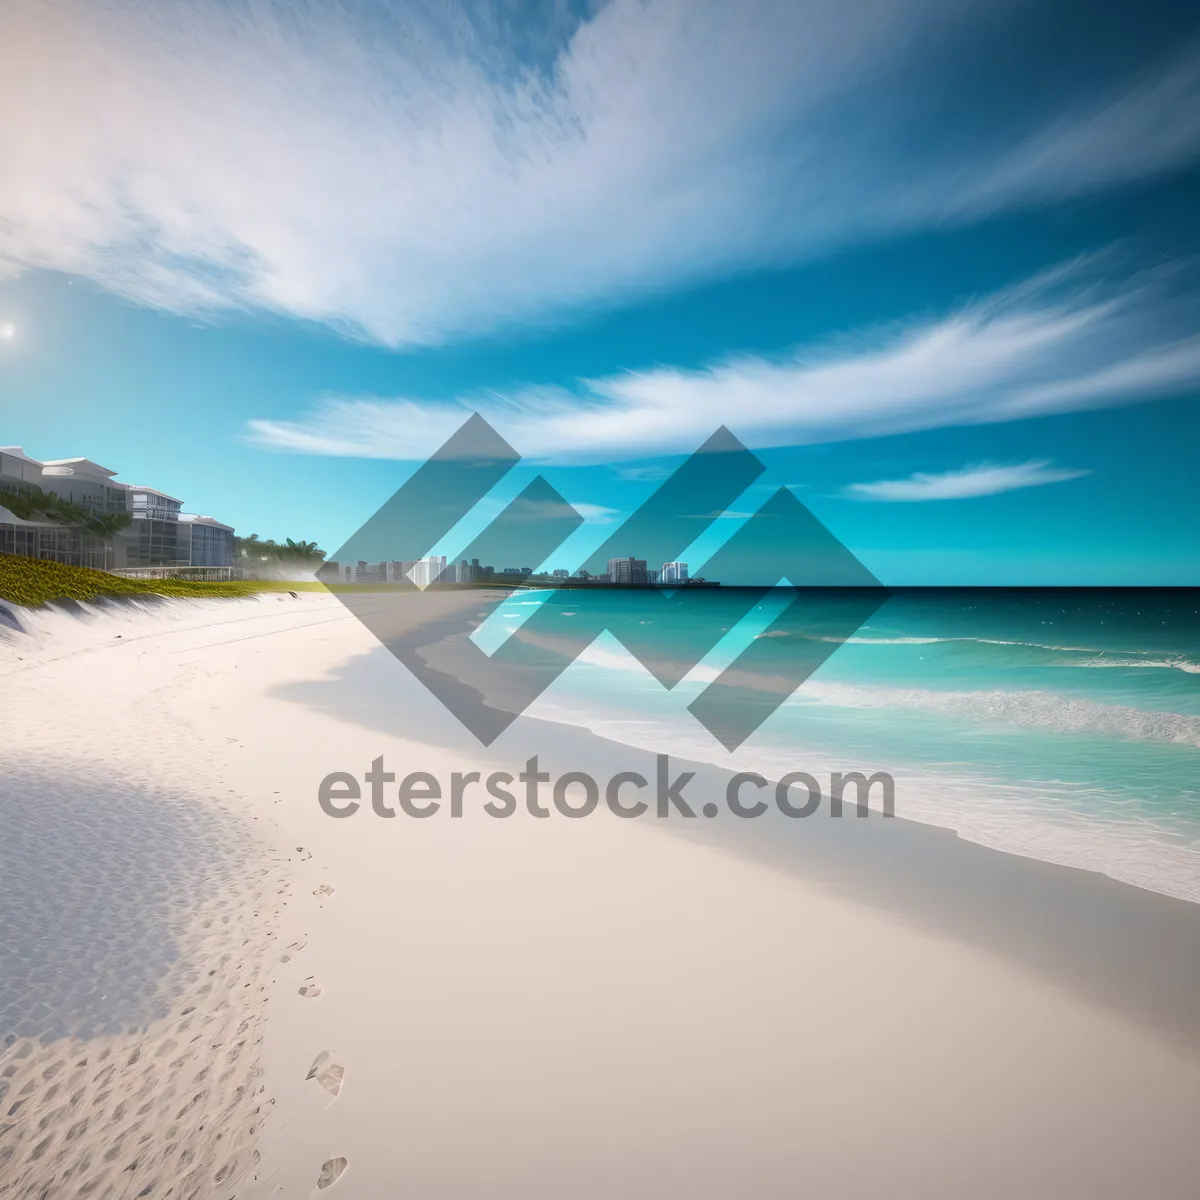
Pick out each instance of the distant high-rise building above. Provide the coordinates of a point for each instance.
(674, 572)
(428, 570)
(332, 571)
(472, 572)
(627, 570)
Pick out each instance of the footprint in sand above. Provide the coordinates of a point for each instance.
(310, 990)
(331, 1172)
(323, 890)
(296, 947)
(305, 855)
(328, 1074)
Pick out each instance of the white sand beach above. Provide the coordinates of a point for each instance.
(468, 1007)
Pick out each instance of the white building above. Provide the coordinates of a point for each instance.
(149, 504)
(427, 570)
(207, 541)
(397, 571)
(85, 483)
(627, 570)
(77, 481)
(52, 542)
(155, 538)
(19, 472)
(674, 572)
(159, 534)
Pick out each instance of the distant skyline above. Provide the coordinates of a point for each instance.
(436, 568)
(937, 264)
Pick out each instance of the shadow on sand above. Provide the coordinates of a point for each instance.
(1114, 945)
(98, 878)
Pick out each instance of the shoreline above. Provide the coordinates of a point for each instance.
(1116, 944)
(595, 1009)
(609, 693)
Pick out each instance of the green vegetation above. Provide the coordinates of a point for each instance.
(32, 581)
(254, 548)
(35, 505)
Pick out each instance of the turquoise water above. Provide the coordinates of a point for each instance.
(1063, 725)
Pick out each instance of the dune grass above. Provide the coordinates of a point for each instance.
(32, 582)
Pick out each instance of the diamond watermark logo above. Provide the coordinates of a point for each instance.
(425, 610)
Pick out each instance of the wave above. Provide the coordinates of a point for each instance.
(1175, 664)
(1078, 827)
(929, 641)
(1026, 708)
(1037, 709)
(1127, 658)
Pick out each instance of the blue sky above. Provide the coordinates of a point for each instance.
(937, 263)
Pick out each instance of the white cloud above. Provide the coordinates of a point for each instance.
(1172, 367)
(983, 479)
(643, 474)
(1140, 129)
(408, 172)
(595, 514)
(1053, 344)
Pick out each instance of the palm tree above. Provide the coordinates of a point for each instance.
(108, 525)
(305, 550)
(66, 513)
(19, 504)
(36, 505)
(247, 547)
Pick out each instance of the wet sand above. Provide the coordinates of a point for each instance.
(454, 1007)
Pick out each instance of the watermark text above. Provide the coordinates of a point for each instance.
(575, 794)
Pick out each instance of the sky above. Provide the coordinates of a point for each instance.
(936, 262)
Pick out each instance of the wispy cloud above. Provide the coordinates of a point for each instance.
(643, 474)
(1053, 344)
(406, 172)
(982, 479)
(596, 514)
(1130, 132)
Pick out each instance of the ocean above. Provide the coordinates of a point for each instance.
(1063, 725)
